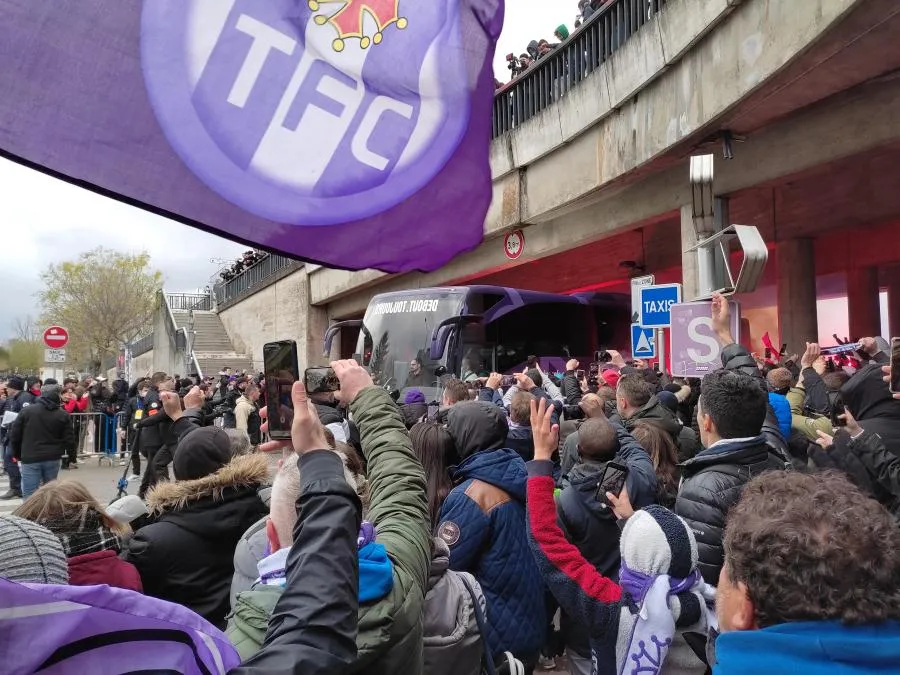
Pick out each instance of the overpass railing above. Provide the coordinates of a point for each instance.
(251, 277)
(553, 75)
(189, 301)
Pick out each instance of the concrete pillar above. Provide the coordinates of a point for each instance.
(862, 302)
(892, 278)
(689, 279)
(797, 318)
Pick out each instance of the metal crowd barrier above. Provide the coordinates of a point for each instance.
(96, 435)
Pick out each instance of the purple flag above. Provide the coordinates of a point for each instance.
(57, 630)
(352, 133)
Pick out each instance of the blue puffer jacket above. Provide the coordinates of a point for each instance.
(483, 523)
(782, 410)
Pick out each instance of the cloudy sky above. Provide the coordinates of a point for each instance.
(46, 221)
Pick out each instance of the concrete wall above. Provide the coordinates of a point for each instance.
(143, 365)
(279, 311)
(685, 69)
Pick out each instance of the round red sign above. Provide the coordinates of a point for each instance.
(514, 244)
(56, 337)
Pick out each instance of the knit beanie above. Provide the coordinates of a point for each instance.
(413, 396)
(31, 553)
(201, 453)
(659, 573)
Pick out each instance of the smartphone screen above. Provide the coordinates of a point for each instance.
(895, 365)
(507, 381)
(612, 480)
(840, 349)
(281, 371)
(320, 381)
(579, 374)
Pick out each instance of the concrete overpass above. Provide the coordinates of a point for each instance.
(596, 172)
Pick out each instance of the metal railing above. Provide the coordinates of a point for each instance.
(142, 346)
(553, 75)
(251, 277)
(190, 301)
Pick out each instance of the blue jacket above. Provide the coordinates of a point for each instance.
(782, 410)
(810, 648)
(483, 523)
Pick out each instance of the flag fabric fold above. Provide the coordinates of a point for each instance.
(350, 133)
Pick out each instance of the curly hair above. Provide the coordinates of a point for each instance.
(813, 547)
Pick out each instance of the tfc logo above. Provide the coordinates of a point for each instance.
(283, 109)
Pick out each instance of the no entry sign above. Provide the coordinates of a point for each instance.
(56, 337)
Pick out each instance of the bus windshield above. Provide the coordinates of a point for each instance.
(396, 338)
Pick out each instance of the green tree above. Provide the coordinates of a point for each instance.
(25, 351)
(103, 298)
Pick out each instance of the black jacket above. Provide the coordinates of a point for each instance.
(711, 484)
(871, 403)
(42, 432)
(186, 553)
(521, 440)
(154, 424)
(14, 404)
(654, 411)
(883, 468)
(314, 625)
(571, 389)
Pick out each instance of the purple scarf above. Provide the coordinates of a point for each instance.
(653, 627)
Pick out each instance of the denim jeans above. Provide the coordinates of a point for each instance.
(12, 469)
(36, 474)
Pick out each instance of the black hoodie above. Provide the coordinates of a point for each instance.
(42, 432)
(871, 403)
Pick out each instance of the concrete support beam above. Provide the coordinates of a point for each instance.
(689, 278)
(892, 279)
(797, 317)
(863, 303)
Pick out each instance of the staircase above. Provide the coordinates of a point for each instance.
(211, 345)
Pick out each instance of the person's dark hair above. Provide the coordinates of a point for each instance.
(597, 439)
(835, 379)
(434, 447)
(664, 454)
(780, 380)
(813, 547)
(536, 377)
(735, 401)
(456, 391)
(158, 378)
(634, 389)
(520, 408)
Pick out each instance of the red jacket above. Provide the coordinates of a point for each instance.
(76, 405)
(104, 567)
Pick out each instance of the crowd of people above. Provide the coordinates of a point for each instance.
(245, 262)
(743, 523)
(537, 49)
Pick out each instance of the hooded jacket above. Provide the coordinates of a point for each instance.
(711, 484)
(103, 567)
(42, 432)
(810, 647)
(186, 554)
(483, 524)
(685, 438)
(871, 403)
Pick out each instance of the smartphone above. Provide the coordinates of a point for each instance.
(840, 349)
(612, 480)
(281, 371)
(895, 365)
(320, 380)
(579, 375)
(508, 381)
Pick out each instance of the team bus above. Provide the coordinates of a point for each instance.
(417, 338)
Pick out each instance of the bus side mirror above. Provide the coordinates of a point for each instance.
(335, 327)
(441, 333)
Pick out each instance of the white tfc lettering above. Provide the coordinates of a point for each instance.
(359, 146)
(265, 39)
(705, 338)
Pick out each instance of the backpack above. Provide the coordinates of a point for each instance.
(100, 629)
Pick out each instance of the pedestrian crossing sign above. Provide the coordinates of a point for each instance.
(643, 342)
